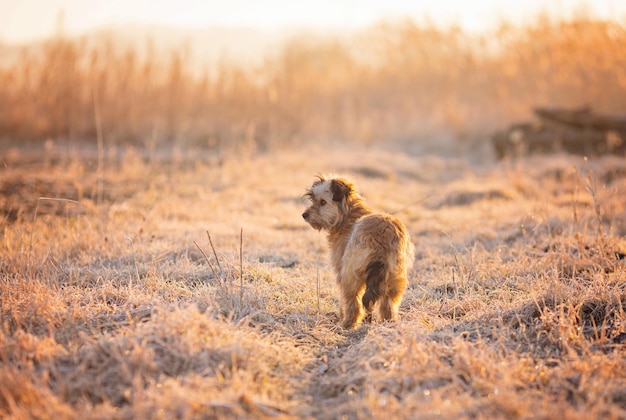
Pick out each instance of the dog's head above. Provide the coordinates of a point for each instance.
(329, 202)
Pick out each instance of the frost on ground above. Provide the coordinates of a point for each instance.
(161, 289)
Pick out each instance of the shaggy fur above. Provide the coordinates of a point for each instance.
(371, 253)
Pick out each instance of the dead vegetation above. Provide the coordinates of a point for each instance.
(399, 81)
(115, 303)
(123, 307)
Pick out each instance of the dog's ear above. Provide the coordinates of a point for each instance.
(340, 189)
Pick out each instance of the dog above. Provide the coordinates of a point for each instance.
(371, 253)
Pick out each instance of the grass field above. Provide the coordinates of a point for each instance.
(190, 287)
(394, 81)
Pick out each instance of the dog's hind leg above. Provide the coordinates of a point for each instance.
(351, 303)
(374, 279)
(352, 313)
(390, 302)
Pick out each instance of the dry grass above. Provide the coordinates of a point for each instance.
(120, 307)
(397, 81)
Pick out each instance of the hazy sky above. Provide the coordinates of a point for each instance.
(24, 20)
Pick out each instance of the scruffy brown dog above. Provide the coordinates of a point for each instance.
(371, 253)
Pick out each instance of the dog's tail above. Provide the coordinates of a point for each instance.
(375, 276)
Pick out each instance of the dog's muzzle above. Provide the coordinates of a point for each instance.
(305, 215)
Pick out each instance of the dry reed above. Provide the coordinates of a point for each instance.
(393, 81)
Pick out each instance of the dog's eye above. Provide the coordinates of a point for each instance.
(322, 202)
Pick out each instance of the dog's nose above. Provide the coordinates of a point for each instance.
(305, 215)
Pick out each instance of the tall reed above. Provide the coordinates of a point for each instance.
(391, 81)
